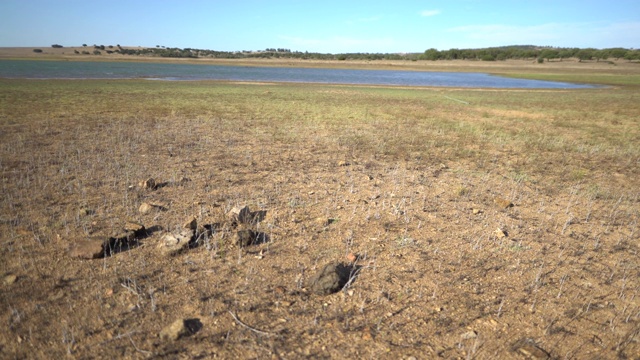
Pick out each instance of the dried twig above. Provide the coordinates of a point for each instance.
(249, 327)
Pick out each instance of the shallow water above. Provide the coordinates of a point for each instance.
(32, 69)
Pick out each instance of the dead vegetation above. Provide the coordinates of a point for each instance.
(499, 228)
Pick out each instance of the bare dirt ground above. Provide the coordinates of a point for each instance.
(506, 227)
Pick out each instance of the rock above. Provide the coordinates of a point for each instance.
(91, 248)
(192, 224)
(502, 203)
(175, 242)
(180, 328)
(250, 237)
(469, 335)
(145, 208)
(134, 226)
(86, 212)
(240, 215)
(343, 163)
(325, 221)
(477, 211)
(330, 279)
(528, 348)
(500, 233)
(148, 184)
(10, 279)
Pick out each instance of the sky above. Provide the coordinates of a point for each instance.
(326, 26)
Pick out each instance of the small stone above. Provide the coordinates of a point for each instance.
(477, 211)
(343, 163)
(148, 184)
(241, 215)
(528, 348)
(145, 208)
(91, 248)
(192, 224)
(330, 279)
(179, 329)
(502, 203)
(250, 237)
(10, 279)
(366, 333)
(351, 257)
(500, 233)
(86, 212)
(469, 335)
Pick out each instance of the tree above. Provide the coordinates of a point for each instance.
(549, 54)
(432, 54)
(37, 50)
(56, 46)
(584, 54)
(617, 53)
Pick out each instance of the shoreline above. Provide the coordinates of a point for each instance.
(494, 67)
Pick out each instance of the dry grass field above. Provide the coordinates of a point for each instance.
(469, 223)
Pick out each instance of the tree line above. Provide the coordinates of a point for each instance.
(523, 52)
(530, 52)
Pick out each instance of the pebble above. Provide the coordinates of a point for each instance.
(10, 279)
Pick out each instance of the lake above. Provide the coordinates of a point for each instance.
(33, 69)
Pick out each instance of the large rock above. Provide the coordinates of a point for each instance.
(175, 242)
(330, 279)
(91, 248)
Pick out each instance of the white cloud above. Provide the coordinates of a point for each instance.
(428, 13)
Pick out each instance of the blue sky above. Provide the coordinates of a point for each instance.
(321, 26)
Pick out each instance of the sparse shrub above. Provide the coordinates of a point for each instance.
(37, 50)
(56, 46)
(97, 52)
